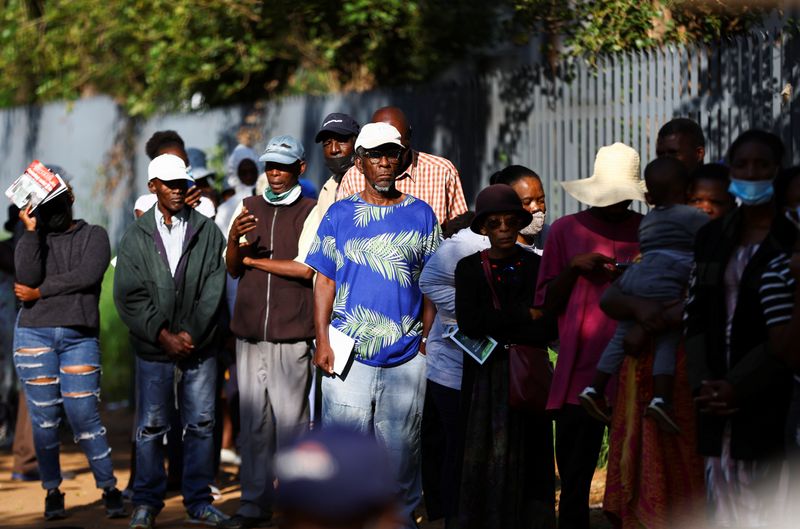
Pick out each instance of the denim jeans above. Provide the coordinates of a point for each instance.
(189, 384)
(386, 402)
(60, 369)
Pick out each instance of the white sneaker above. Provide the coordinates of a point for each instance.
(215, 492)
(230, 457)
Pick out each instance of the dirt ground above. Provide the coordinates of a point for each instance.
(22, 504)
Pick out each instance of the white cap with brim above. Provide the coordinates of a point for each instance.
(374, 135)
(168, 168)
(145, 202)
(616, 178)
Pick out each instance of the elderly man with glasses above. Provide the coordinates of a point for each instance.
(368, 253)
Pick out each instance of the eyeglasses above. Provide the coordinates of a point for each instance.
(375, 157)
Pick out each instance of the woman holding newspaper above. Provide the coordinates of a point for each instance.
(60, 262)
(508, 448)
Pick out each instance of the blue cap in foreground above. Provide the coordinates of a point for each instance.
(334, 474)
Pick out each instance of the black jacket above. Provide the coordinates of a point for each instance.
(762, 382)
(68, 269)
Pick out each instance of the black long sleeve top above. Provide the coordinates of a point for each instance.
(515, 283)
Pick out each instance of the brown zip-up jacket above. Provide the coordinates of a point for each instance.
(270, 308)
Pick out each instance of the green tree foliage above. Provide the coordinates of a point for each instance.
(153, 55)
(591, 27)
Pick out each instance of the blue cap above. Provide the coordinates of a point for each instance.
(284, 149)
(60, 171)
(338, 123)
(334, 473)
(197, 161)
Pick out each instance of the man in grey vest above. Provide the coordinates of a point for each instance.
(273, 324)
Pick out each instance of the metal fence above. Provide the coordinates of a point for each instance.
(727, 88)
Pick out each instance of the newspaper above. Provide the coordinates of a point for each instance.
(479, 349)
(36, 185)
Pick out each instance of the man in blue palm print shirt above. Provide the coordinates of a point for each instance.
(368, 253)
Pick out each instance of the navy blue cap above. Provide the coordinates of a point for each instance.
(334, 473)
(338, 123)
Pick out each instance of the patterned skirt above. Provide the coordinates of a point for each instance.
(655, 480)
(508, 472)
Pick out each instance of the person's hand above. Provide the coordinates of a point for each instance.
(716, 397)
(323, 358)
(187, 340)
(174, 345)
(25, 293)
(423, 349)
(635, 340)
(27, 218)
(242, 225)
(193, 195)
(587, 263)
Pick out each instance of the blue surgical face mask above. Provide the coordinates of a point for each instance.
(752, 192)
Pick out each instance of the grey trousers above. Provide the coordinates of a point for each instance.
(274, 380)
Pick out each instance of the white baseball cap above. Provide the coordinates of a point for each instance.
(145, 202)
(168, 167)
(376, 134)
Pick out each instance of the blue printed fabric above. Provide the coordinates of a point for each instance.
(375, 254)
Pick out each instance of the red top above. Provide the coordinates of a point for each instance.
(584, 330)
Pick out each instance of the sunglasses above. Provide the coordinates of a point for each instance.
(512, 223)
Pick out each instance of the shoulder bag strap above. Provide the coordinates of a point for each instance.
(487, 270)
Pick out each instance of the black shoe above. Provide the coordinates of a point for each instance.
(238, 521)
(54, 505)
(112, 499)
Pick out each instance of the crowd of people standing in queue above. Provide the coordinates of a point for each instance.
(677, 330)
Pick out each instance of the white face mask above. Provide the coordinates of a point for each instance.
(535, 226)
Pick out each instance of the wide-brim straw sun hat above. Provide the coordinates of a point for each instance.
(616, 178)
(498, 198)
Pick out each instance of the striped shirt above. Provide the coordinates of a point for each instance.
(430, 178)
(777, 293)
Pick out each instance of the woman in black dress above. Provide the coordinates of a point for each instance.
(508, 477)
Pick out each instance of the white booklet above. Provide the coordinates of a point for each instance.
(342, 346)
(35, 186)
(478, 349)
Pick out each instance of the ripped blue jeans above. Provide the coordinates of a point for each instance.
(60, 371)
(190, 384)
